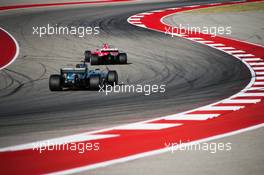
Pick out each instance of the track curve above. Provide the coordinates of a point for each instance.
(195, 75)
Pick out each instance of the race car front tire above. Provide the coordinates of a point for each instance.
(94, 60)
(94, 82)
(123, 58)
(55, 83)
(112, 78)
(87, 56)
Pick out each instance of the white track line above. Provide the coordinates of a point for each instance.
(259, 83)
(257, 94)
(215, 45)
(252, 59)
(243, 55)
(226, 48)
(191, 117)
(157, 11)
(255, 88)
(235, 51)
(259, 78)
(146, 13)
(204, 42)
(134, 19)
(257, 64)
(141, 25)
(195, 38)
(136, 22)
(137, 16)
(237, 101)
(147, 126)
(259, 73)
(221, 108)
(258, 68)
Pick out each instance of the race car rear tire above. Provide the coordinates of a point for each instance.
(94, 82)
(112, 78)
(55, 83)
(123, 58)
(87, 56)
(94, 60)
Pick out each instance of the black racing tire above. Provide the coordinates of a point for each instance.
(94, 82)
(87, 56)
(94, 59)
(55, 83)
(123, 58)
(112, 78)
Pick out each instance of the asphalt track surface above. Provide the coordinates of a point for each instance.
(195, 75)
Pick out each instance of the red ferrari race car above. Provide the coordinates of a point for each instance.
(106, 55)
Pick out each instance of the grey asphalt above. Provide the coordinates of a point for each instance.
(195, 75)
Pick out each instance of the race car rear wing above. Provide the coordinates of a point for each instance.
(73, 70)
(110, 50)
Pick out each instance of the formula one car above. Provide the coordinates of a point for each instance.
(82, 77)
(106, 55)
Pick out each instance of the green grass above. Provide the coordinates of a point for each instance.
(253, 6)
